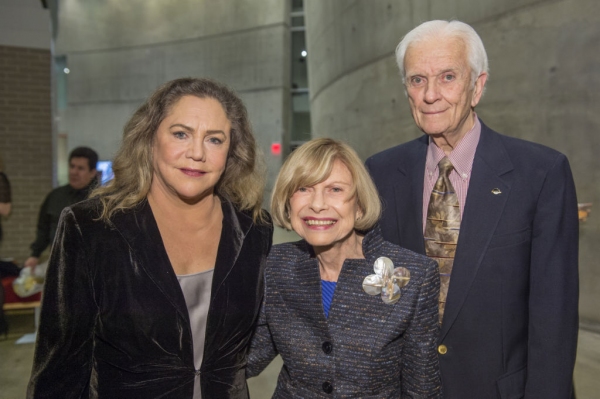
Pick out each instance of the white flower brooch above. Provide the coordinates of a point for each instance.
(386, 281)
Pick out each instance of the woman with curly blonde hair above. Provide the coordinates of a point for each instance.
(154, 284)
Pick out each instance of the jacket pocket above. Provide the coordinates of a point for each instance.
(509, 239)
(512, 385)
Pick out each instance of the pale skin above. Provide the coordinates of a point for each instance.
(324, 215)
(190, 154)
(441, 95)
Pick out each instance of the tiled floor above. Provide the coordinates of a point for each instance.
(16, 360)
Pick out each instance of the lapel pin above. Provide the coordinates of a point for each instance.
(496, 191)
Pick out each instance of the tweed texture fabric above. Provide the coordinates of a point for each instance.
(442, 228)
(365, 348)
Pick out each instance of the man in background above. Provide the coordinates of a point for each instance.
(498, 214)
(82, 179)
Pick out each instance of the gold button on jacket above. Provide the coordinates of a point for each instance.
(442, 349)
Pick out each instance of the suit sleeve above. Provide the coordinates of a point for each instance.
(554, 287)
(262, 347)
(420, 367)
(64, 345)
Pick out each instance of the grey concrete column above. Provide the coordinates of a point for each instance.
(118, 52)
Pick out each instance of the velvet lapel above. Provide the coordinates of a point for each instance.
(138, 227)
(235, 227)
(410, 215)
(483, 209)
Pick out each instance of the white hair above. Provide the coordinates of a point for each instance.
(476, 54)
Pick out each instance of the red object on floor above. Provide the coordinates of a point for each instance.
(11, 297)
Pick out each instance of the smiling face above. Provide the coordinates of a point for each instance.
(190, 149)
(324, 214)
(438, 83)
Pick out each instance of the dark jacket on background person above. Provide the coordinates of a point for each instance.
(57, 200)
(5, 193)
(365, 348)
(114, 321)
(511, 320)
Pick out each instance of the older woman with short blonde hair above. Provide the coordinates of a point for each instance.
(350, 314)
(311, 164)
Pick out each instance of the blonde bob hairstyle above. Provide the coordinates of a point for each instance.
(242, 182)
(311, 164)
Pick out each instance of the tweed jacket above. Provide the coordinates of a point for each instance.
(114, 321)
(510, 324)
(365, 348)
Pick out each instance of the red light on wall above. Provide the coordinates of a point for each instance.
(276, 148)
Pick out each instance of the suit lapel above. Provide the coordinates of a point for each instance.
(235, 228)
(303, 290)
(349, 291)
(410, 215)
(482, 212)
(138, 227)
(349, 294)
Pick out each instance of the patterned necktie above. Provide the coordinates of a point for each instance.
(442, 227)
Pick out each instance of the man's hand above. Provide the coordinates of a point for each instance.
(32, 262)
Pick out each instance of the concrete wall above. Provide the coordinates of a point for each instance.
(119, 52)
(544, 84)
(25, 118)
(24, 23)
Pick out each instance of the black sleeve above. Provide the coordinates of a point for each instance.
(42, 237)
(64, 346)
(5, 194)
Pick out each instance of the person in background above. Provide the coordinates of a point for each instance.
(350, 314)
(5, 195)
(499, 215)
(5, 208)
(82, 179)
(154, 284)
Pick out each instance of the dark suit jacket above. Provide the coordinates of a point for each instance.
(511, 316)
(114, 321)
(365, 348)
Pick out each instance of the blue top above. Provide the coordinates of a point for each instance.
(327, 288)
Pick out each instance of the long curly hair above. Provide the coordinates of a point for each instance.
(242, 182)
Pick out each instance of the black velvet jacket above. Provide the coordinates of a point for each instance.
(114, 321)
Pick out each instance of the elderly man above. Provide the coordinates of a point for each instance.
(499, 215)
(82, 178)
